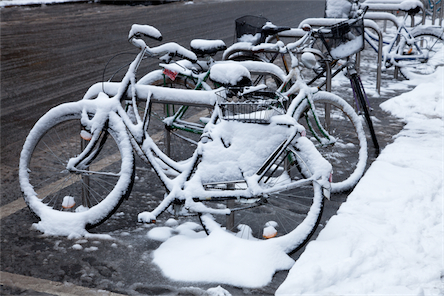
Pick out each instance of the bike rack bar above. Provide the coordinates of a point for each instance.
(441, 13)
(393, 5)
(435, 13)
(319, 22)
(385, 16)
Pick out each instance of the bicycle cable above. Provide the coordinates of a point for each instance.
(104, 70)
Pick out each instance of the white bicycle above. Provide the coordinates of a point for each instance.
(252, 164)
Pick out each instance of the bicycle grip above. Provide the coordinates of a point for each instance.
(146, 30)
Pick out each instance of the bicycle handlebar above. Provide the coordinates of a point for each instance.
(171, 49)
(149, 31)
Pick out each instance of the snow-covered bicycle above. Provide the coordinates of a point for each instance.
(416, 51)
(333, 125)
(252, 163)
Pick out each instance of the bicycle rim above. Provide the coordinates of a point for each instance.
(95, 191)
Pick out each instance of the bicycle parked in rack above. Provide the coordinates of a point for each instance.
(340, 138)
(415, 51)
(341, 42)
(330, 121)
(254, 164)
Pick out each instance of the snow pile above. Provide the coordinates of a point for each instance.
(388, 238)
(219, 257)
(5, 3)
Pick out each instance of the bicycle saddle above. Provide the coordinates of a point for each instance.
(230, 74)
(270, 29)
(411, 7)
(202, 47)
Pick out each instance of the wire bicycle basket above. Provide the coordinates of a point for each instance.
(254, 107)
(343, 39)
(249, 29)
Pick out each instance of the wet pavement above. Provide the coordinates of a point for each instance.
(122, 264)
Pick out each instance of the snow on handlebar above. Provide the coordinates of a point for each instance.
(170, 49)
(149, 31)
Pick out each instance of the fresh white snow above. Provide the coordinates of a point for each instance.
(386, 239)
(219, 257)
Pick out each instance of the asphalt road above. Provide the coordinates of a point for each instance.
(51, 55)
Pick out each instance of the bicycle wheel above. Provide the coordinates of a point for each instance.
(430, 40)
(344, 145)
(87, 196)
(289, 216)
(176, 138)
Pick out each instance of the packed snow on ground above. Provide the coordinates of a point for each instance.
(386, 239)
(218, 258)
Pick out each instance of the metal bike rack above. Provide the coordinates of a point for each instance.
(435, 13)
(382, 16)
(393, 5)
(319, 22)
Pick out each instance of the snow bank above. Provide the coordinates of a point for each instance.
(220, 258)
(388, 237)
(5, 3)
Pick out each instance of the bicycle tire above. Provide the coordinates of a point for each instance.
(290, 217)
(430, 39)
(51, 190)
(348, 153)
